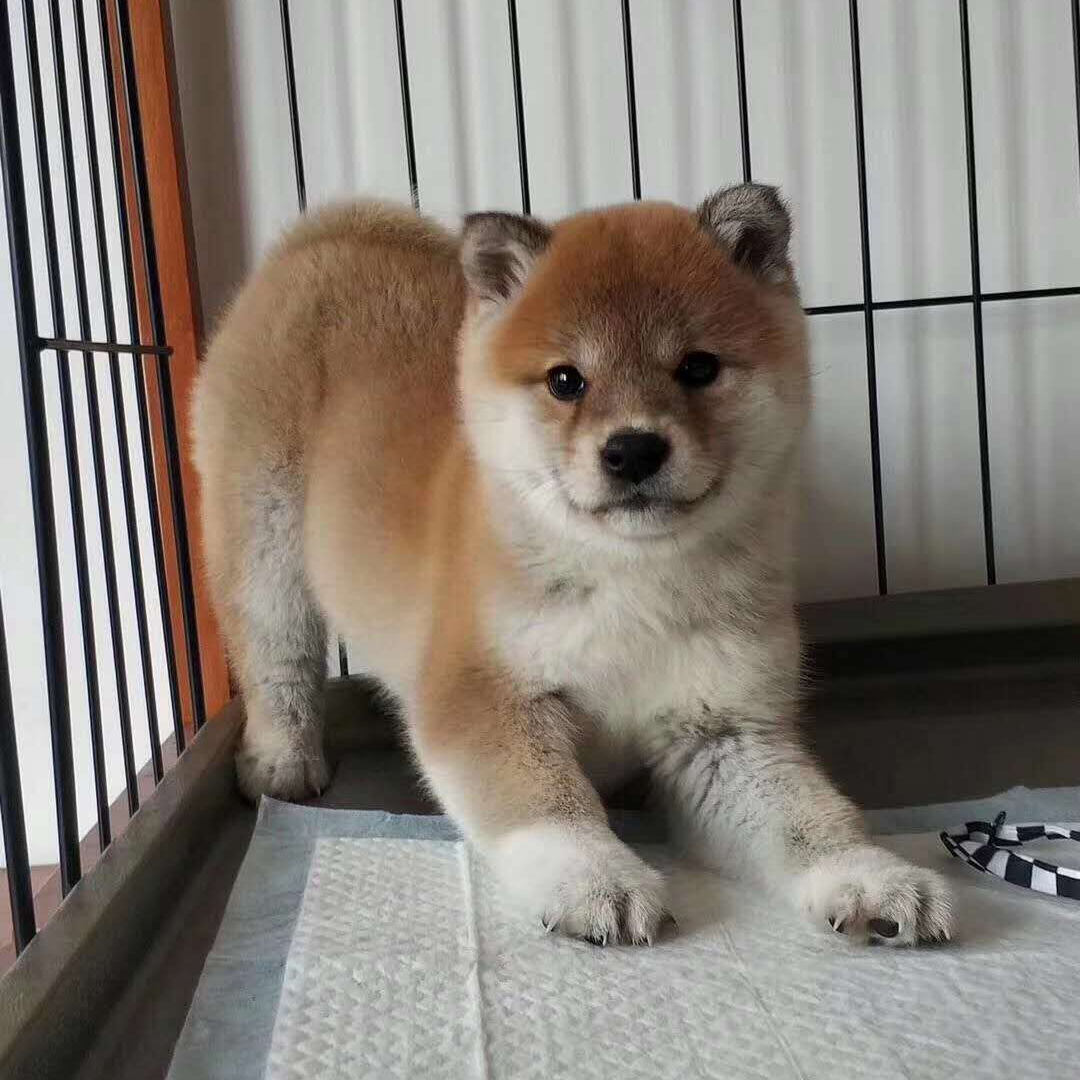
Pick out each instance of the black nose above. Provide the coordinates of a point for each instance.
(634, 455)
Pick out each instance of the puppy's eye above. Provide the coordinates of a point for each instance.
(697, 369)
(566, 382)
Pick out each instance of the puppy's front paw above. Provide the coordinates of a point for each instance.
(276, 764)
(871, 894)
(583, 882)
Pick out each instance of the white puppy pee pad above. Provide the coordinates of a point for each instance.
(373, 945)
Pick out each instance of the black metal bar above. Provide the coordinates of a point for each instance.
(294, 110)
(519, 106)
(930, 301)
(141, 187)
(631, 99)
(97, 453)
(157, 546)
(976, 296)
(67, 405)
(1076, 64)
(301, 191)
(406, 102)
(945, 301)
(119, 658)
(83, 345)
(22, 275)
(835, 309)
(868, 300)
(740, 75)
(12, 819)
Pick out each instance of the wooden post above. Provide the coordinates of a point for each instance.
(151, 36)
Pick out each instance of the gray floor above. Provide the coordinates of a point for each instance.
(892, 742)
(156, 1001)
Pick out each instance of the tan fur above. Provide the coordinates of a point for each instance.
(380, 452)
(337, 361)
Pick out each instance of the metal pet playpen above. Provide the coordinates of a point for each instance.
(104, 159)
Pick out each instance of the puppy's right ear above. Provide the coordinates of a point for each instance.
(751, 223)
(498, 251)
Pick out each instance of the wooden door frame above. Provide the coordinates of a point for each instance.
(155, 76)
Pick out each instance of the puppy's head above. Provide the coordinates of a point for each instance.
(635, 373)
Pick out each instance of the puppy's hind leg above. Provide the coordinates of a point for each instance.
(281, 634)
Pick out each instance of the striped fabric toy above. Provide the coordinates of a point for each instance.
(991, 847)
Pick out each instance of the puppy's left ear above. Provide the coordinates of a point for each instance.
(751, 222)
(498, 251)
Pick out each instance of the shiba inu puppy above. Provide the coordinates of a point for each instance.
(544, 476)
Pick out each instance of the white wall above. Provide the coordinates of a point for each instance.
(802, 136)
(798, 56)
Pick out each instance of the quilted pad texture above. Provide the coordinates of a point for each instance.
(405, 963)
(372, 945)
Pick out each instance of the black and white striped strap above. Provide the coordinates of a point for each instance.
(990, 846)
